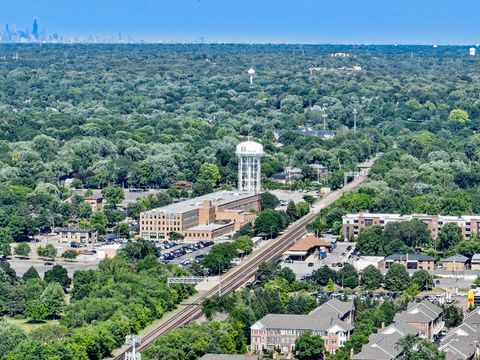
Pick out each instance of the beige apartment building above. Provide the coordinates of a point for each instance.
(84, 236)
(354, 223)
(205, 217)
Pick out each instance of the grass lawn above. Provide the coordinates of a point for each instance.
(27, 326)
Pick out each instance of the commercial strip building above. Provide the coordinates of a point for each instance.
(354, 223)
(331, 320)
(204, 217)
(83, 236)
(409, 261)
(422, 319)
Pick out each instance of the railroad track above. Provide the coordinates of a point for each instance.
(236, 277)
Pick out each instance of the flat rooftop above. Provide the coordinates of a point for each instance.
(217, 198)
(209, 227)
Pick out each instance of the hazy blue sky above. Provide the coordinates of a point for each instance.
(310, 21)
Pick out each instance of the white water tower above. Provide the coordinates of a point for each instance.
(472, 51)
(251, 72)
(249, 157)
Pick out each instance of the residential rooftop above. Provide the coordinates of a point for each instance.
(457, 258)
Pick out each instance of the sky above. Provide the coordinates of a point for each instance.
(260, 21)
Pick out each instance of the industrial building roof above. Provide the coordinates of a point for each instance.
(410, 257)
(217, 198)
(209, 227)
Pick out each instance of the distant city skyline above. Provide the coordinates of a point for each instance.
(259, 21)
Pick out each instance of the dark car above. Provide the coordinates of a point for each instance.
(310, 264)
(48, 263)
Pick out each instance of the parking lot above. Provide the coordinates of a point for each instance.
(183, 254)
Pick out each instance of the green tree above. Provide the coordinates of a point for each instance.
(31, 273)
(201, 187)
(210, 173)
(458, 116)
(69, 254)
(371, 278)
(267, 271)
(50, 251)
(22, 250)
(369, 241)
(416, 348)
(57, 274)
(122, 230)
(5, 240)
(347, 276)
(309, 347)
(270, 222)
(11, 336)
(268, 201)
(330, 285)
(449, 236)
(323, 275)
(423, 279)
(397, 278)
(36, 310)
(113, 195)
(53, 298)
(291, 211)
(99, 221)
(452, 315)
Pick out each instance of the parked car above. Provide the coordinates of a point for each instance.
(310, 264)
(48, 263)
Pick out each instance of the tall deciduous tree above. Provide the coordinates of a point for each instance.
(309, 347)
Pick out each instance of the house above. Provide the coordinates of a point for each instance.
(229, 357)
(409, 261)
(280, 331)
(425, 316)
(83, 236)
(456, 263)
(95, 201)
(475, 262)
(422, 319)
(462, 342)
(383, 344)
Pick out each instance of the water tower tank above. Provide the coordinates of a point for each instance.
(249, 157)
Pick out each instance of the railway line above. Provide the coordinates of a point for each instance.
(233, 279)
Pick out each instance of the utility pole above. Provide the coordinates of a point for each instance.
(133, 340)
(324, 116)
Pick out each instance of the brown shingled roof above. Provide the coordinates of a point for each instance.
(309, 242)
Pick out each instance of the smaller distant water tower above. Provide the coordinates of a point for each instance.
(472, 51)
(249, 156)
(251, 72)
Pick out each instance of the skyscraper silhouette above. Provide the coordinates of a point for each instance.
(35, 29)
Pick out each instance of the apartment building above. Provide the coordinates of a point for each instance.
(422, 319)
(424, 316)
(95, 201)
(332, 321)
(409, 261)
(462, 342)
(354, 223)
(205, 217)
